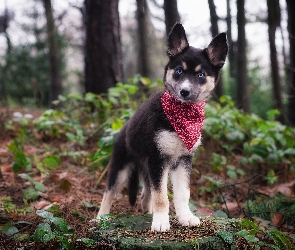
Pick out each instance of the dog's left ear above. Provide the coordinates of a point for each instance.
(177, 40)
(217, 50)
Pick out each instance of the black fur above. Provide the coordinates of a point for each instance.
(135, 143)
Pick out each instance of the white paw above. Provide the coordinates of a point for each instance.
(189, 220)
(160, 222)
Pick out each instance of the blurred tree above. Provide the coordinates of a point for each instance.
(231, 43)
(171, 14)
(56, 88)
(4, 23)
(243, 101)
(291, 68)
(143, 31)
(24, 69)
(274, 20)
(215, 31)
(103, 56)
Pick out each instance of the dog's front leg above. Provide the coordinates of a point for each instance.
(160, 204)
(181, 193)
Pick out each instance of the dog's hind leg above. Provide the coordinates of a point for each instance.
(180, 177)
(112, 190)
(146, 204)
(119, 169)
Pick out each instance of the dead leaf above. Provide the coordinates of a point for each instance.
(285, 189)
(63, 175)
(30, 150)
(6, 168)
(204, 210)
(3, 151)
(231, 206)
(41, 204)
(65, 185)
(277, 220)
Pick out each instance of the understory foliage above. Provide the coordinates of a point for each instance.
(262, 145)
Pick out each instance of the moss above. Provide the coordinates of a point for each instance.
(133, 232)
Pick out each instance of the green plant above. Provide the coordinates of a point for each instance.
(250, 232)
(21, 162)
(250, 236)
(52, 228)
(32, 193)
(266, 208)
(271, 177)
(259, 141)
(124, 99)
(233, 172)
(212, 185)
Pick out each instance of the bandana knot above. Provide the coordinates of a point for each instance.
(186, 118)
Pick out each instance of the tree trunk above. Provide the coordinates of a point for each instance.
(54, 55)
(242, 75)
(215, 31)
(274, 17)
(103, 55)
(7, 64)
(231, 49)
(144, 61)
(171, 14)
(291, 82)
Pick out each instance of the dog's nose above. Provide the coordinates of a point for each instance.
(184, 92)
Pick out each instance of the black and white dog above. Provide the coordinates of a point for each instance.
(162, 136)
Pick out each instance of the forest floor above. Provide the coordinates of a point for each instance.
(75, 189)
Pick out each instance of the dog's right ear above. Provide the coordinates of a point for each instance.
(177, 40)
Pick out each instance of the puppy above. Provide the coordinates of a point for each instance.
(162, 136)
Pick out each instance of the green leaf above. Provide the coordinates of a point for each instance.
(289, 151)
(247, 224)
(39, 187)
(87, 241)
(220, 214)
(232, 174)
(16, 168)
(27, 177)
(13, 147)
(89, 205)
(65, 242)
(20, 158)
(45, 214)
(271, 114)
(226, 236)
(12, 231)
(52, 161)
(43, 233)
(60, 224)
(118, 124)
(30, 194)
(281, 240)
(9, 229)
(241, 172)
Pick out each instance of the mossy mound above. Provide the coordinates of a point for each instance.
(133, 232)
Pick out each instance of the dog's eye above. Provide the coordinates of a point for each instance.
(201, 75)
(179, 71)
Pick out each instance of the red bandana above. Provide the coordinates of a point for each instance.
(186, 118)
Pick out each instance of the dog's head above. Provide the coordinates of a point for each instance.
(191, 73)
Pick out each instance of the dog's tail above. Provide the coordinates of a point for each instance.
(133, 184)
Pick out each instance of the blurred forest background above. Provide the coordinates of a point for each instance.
(51, 48)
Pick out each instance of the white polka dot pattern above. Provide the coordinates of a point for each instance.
(186, 118)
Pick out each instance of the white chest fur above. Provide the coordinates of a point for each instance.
(169, 143)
